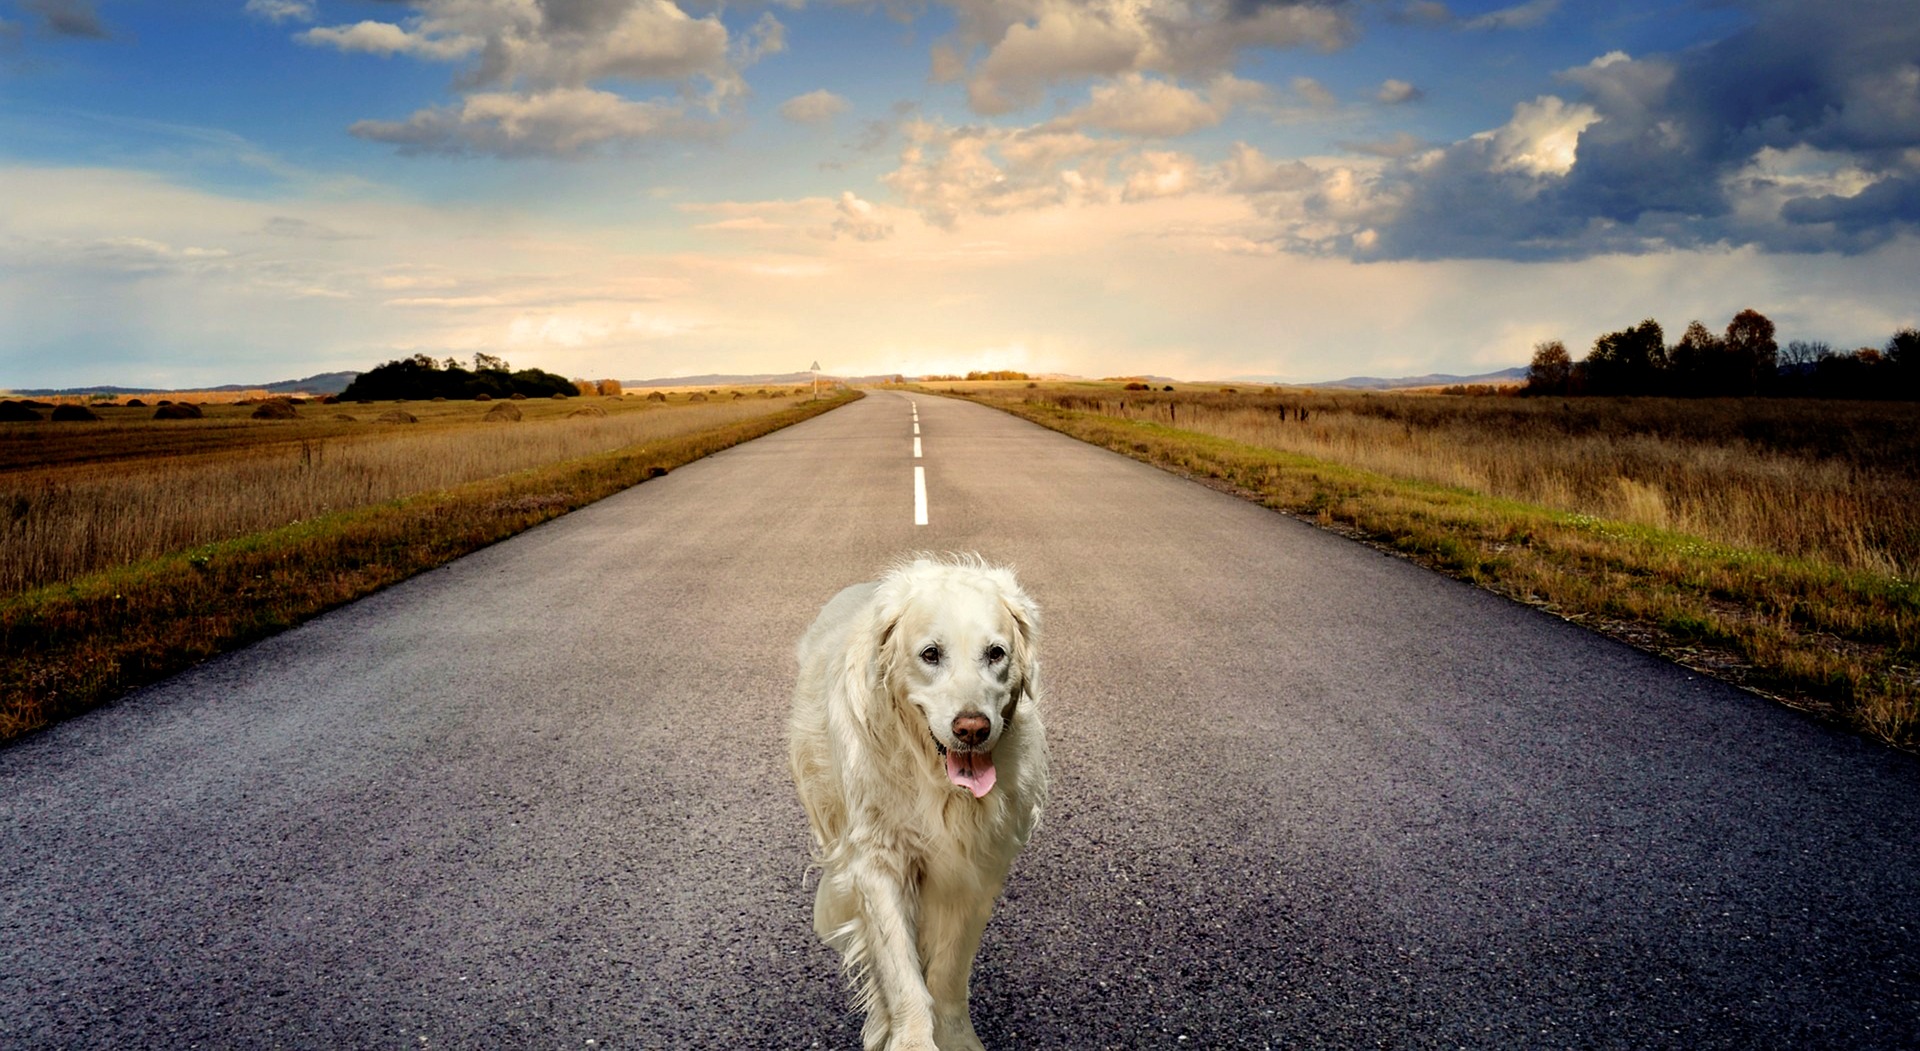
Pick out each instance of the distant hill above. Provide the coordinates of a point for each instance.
(1517, 374)
(774, 378)
(323, 383)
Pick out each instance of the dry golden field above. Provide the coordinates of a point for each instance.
(1833, 481)
(1774, 543)
(80, 497)
(135, 547)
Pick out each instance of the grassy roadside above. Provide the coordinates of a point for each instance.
(68, 647)
(1843, 644)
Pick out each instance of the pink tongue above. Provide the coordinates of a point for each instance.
(972, 771)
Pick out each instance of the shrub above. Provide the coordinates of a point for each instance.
(1136, 386)
(608, 388)
(18, 412)
(177, 410)
(73, 414)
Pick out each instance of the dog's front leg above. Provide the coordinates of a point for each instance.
(889, 904)
(950, 928)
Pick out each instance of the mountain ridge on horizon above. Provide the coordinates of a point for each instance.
(335, 382)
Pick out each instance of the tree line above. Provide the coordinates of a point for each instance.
(1744, 360)
(420, 377)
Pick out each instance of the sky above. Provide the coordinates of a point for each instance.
(196, 192)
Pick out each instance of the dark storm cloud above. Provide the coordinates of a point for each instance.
(1763, 138)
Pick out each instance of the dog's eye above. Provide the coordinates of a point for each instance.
(931, 655)
(995, 654)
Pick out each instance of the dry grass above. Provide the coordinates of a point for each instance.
(1769, 543)
(69, 645)
(153, 487)
(1724, 470)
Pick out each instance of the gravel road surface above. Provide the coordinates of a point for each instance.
(1308, 795)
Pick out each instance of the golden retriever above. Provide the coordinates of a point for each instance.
(917, 747)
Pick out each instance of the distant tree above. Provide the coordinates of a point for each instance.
(483, 362)
(1751, 357)
(586, 388)
(1804, 354)
(608, 388)
(1691, 362)
(1630, 361)
(1903, 362)
(1551, 368)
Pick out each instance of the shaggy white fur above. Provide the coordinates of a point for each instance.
(918, 750)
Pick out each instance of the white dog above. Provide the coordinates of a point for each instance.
(918, 750)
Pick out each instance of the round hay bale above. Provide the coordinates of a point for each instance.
(31, 404)
(483, 397)
(697, 396)
(296, 401)
(136, 403)
(656, 396)
(588, 410)
(177, 410)
(778, 394)
(276, 409)
(517, 396)
(739, 394)
(397, 416)
(556, 397)
(503, 412)
(18, 412)
(345, 416)
(329, 399)
(73, 414)
(163, 401)
(440, 399)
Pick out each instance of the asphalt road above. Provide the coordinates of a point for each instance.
(1308, 795)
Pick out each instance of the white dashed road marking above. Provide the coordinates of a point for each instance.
(919, 472)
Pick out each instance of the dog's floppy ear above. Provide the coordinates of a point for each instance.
(1026, 635)
(865, 678)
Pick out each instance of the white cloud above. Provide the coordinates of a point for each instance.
(544, 70)
(1033, 44)
(860, 220)
(1133, 104)
(1541, 138)
(281, 10)
(1520, 16)
(387, 39)
(1394, 92)
(559, 122)
(814, 107)
(1160, 173)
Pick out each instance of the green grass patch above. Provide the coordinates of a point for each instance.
(68, 647)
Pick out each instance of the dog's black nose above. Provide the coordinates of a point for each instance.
(971, 729)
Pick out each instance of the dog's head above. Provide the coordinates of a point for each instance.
(958, 651)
